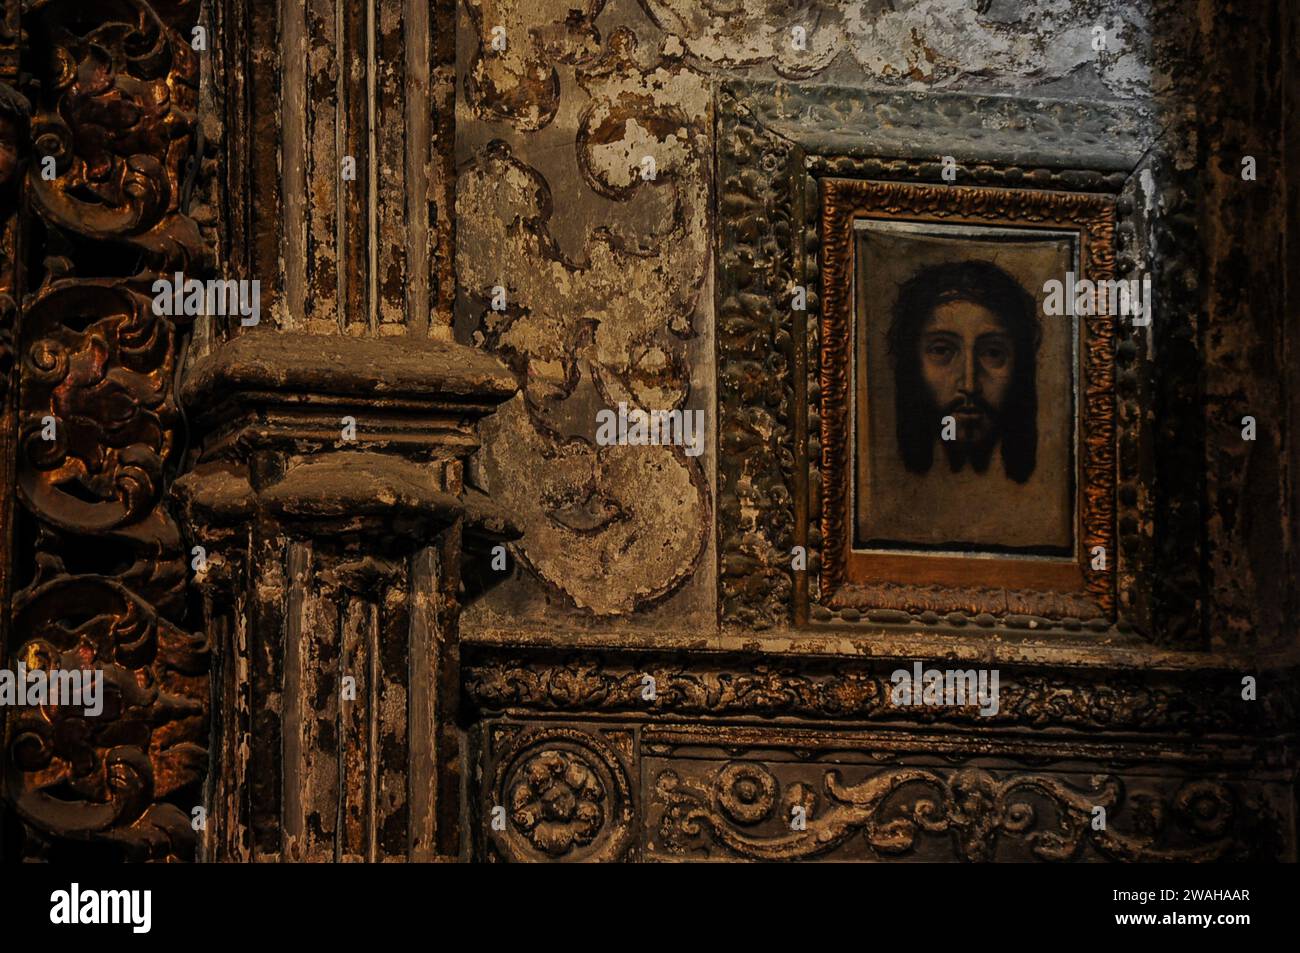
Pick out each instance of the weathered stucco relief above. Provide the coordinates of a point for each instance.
(602, 318)
(607, 270)
(920, 43)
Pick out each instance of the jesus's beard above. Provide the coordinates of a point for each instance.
(976, 448)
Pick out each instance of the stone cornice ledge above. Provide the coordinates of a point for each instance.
(294, 363)
(416, 403)
(995, 646)
(1195, 698)
(971, 127)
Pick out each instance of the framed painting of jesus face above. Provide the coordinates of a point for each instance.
(964, 429)
(964, 393)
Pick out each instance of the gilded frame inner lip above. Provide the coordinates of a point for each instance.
(917, 582)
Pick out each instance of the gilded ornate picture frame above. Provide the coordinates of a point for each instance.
(1056, 562)
(1071, 169)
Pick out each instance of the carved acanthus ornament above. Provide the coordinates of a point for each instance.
(112, 135)
(892, 809)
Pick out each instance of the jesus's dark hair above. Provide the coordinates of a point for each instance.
(985, 284)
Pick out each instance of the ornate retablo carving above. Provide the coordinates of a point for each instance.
(1082, 700)
(741, 810)
(115, 113)
(558, 793)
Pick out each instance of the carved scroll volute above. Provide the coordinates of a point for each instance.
(95, 427)
(118, 119)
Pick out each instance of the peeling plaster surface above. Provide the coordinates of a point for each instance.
(607, 270)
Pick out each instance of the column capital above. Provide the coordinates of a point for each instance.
(328, 495)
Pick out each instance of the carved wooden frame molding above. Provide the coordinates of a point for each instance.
(847, 575)
(783, 151)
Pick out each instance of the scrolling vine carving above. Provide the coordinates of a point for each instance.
(894, 808)
(115, 96)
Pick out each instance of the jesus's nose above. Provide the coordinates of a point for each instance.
(969, 383)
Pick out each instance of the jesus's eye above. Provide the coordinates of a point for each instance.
(939, 351)
(994, 355)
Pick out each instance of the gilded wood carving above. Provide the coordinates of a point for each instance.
(105, 565)
(1080, 585)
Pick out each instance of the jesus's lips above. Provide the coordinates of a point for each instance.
(970, 411)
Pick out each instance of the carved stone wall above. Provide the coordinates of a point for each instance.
(672, 291)
(561, 208)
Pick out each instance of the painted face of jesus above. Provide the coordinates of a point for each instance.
(963, 339)
(967, 366)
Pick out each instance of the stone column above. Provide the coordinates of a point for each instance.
(331, 587)
(329, 433)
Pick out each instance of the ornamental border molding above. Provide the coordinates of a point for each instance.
(777, 143)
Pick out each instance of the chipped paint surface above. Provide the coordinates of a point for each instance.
(606, 271)
(595, 316)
